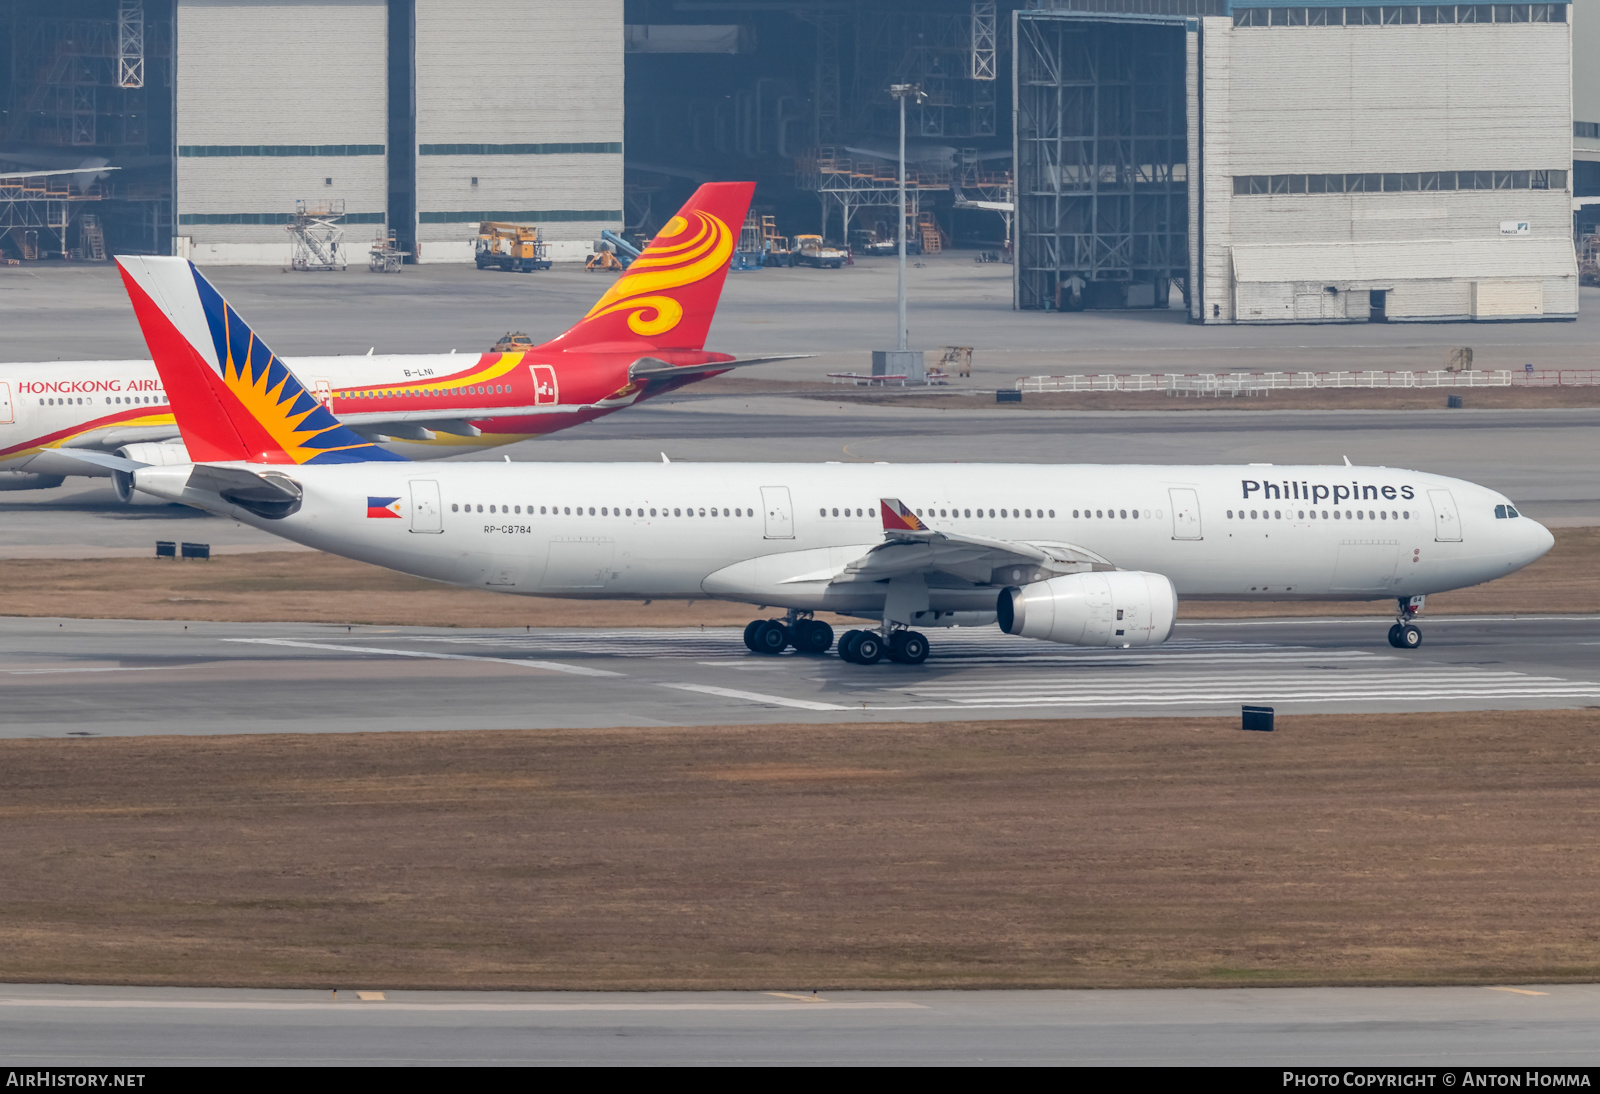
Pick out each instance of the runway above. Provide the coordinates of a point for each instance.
(95, 677)
(1464, 1027)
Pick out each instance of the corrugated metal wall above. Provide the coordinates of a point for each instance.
(1293, 100)
(533, 88)
(282, 79)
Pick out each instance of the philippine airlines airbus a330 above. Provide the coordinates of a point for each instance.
(1086, 554)
(423, 406)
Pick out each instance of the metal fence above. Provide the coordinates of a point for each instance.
(1259, 383)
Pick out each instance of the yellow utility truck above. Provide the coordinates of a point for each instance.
(511, 247)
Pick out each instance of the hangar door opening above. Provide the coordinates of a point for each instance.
(1102, 162)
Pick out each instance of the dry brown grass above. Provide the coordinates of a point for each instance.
(1426, 848)
(1482, 398)
(311, 587)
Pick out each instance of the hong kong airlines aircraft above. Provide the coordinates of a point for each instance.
(423, 406)
(1087, 554)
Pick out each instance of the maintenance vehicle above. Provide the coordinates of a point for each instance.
(512, 247)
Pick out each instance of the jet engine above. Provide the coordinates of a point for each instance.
(1111, 608)
(154, 453)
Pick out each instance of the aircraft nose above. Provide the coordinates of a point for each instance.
(1536, 540)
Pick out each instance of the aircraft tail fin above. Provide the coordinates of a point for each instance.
(898, 518)
(667, 297)
(232, 398)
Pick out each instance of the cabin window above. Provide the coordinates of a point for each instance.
(677, 512)
(871, 512)
(454, 508)
(1277, 514)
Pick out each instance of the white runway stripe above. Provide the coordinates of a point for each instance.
(520, 662)
(756, 697)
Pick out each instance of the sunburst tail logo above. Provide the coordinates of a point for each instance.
(232, 398)
(668, 296)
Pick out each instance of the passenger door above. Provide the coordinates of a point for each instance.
(7, 415)
(427, 514)
(1446, 521)
(545, 392)
(1185, 513)
(779, 514)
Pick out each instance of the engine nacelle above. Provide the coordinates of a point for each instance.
(1111, 608)
(154, 453)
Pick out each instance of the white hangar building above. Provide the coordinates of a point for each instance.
(1296, 164)
(419, 116)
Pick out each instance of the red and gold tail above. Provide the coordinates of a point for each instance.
(667, 297)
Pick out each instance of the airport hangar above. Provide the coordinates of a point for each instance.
(1275, 164)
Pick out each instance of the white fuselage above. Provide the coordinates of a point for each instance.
(780, 534)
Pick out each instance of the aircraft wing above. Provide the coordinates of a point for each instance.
(651, 368)
(910, 547)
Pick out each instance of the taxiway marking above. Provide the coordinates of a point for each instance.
(757, 697)
(520, 662)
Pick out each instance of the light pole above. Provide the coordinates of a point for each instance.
(903, 92)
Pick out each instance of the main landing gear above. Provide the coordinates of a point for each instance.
(807, 635)
(868, 647)
(773, 636)
(1406, 635)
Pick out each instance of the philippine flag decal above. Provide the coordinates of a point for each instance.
(383, 508)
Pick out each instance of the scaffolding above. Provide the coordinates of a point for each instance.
(130, 43)
(952, 57)
(79, 83)
(37, 212)
(853, 182)
(317, 237)
(1102, 160)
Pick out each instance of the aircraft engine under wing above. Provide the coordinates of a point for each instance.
(960, 573)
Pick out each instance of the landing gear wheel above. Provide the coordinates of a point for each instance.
(847, 645)
(868, 649)
(908, 648)
(750, 629)
(771, 637)
(1410, 636)
(812, 636)
(1394, 635)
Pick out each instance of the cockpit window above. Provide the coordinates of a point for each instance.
(1500, 512)
(1512, 512)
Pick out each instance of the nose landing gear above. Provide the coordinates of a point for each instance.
(1406, 635)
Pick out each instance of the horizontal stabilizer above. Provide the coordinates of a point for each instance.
(652, 368)
(270, 494)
